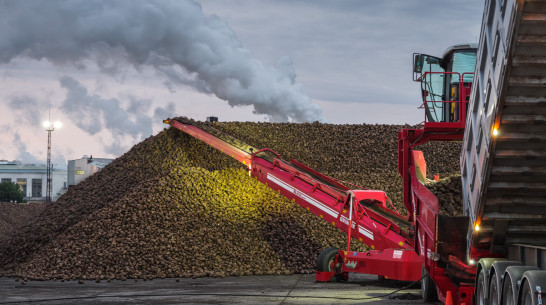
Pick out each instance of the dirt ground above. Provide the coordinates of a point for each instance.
(289, 289)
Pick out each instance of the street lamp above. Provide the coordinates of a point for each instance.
(49, 126)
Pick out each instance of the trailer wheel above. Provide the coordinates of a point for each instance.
(326, 263)
(530, 291)
(526, 295)
(496, 277)
(512, 279)
(428, 288)
(480, 289)
(494, 291)
(508, 292)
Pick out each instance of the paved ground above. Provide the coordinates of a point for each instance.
(291, 289)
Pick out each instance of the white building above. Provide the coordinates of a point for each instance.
(80, 169)
(32, 179)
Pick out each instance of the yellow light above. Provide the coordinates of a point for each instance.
(472, 262)
(495, 132)
(477, 227)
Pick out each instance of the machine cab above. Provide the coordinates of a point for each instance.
(445, 85)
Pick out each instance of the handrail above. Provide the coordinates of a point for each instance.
(426, 92)
(461, 101)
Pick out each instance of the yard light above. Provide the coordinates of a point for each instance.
(49, 126)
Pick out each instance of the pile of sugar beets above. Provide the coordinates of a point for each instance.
(13, 215)
(175, 207)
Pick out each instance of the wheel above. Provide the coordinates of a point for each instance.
(494, 290)
(495, 279)
(428, 288)
(526, 295)
(530, 292)
(508, 295)
(481, 295)
(512, 278)
(326, 263)
(480, 289)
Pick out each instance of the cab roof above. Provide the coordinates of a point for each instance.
(461, 46)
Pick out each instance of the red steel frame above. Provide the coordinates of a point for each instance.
(395, 254)
(421, 204)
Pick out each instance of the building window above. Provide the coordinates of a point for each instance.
(6, 180)
(36, 187)
(22, 183)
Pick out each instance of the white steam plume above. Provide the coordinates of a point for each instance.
(174, 36)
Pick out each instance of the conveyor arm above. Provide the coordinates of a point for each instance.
(372, 222)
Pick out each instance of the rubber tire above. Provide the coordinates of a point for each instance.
(532, 281)
(480, 289)
(508, 292)
(526, 295)
(496, 277)
(324, 261)
(428, 287)
(510, 287)
(493, 292)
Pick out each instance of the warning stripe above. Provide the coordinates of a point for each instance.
(365, 232)
(303, 196)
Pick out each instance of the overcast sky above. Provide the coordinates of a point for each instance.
(343, 61)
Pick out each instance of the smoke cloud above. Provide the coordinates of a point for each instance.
(173, 36)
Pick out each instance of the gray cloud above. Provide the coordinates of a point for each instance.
(162, 34)
(115, 147)
(162, 113)
(137, 105)
(29, 110)
(23, 154)
(95, 113)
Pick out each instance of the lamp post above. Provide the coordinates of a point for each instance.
(49, 126)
